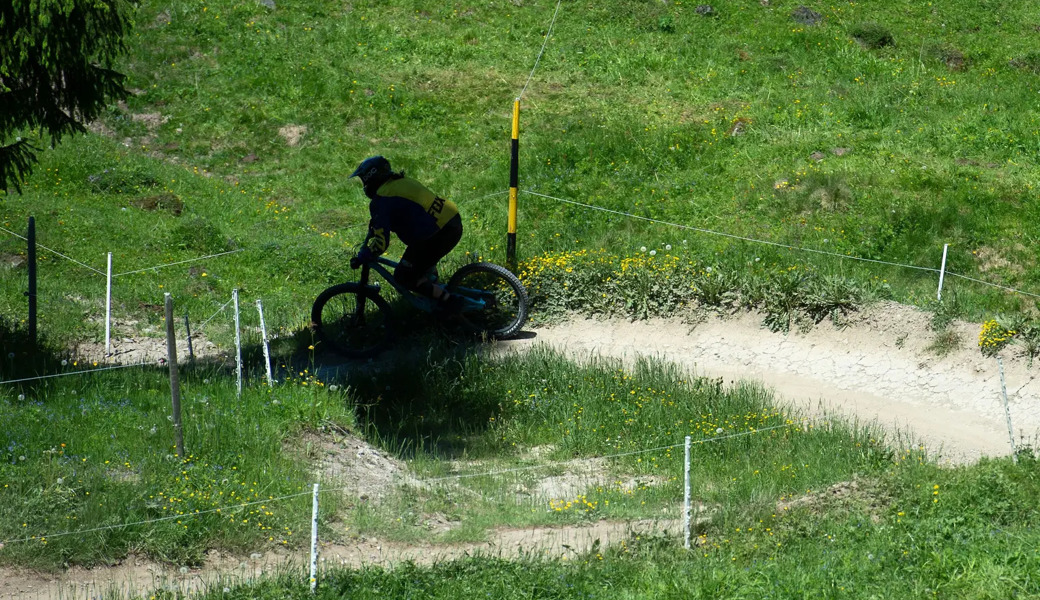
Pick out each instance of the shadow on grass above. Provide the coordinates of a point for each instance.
(418, 396)
(24, 360)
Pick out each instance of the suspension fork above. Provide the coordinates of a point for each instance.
(359, 311)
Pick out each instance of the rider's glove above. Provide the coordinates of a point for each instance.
(362, 257)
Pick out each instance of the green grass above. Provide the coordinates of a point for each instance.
(923, 142)
(94, 452)
(920, 532)
(491, 415)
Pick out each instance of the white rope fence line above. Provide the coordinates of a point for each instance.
(779, 245)
(230, 507)
(345, 489)
(198, 330)
(181, 262)
(548, 33)
(608, 456)
(729, 235)
(99, 272)
(1002, 287)
(140, 364)
(491, 195)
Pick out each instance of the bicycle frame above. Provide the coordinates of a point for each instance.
(383, 265)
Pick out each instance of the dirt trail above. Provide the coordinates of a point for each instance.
(140, 578)
(879, 369)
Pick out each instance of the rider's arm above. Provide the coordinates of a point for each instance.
(378, 238)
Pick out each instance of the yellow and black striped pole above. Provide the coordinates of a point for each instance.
(514, 178)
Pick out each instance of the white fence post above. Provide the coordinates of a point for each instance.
(314, 540)
(686, 498)
(108, 309)
(1007, 410)
(942, 272)
(263, 339)
(238, 342)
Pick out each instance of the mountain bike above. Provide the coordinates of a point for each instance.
(354, 320)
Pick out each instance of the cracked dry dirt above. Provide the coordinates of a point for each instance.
(879, 369)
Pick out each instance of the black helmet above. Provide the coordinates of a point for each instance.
(375, 169)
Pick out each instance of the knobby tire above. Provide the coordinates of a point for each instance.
(507, 299)
(339, 328)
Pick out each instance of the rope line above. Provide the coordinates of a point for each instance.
(1005, 288)
(140, 364)
(343, 489)
(68, 258)
(159, 520)
(608, 456)
(779, 245)
(198, 330)
(179, 262)
(544, 42)
(485, 197)
(730, 235)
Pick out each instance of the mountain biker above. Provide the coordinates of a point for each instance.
(427, 224)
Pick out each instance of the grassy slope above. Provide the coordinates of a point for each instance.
(628, 109)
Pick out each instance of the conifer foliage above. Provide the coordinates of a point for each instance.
(56, 72)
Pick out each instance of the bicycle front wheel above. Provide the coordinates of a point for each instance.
(500, 295)
(352, 321)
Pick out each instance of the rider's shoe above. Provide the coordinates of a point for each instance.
(452, 305)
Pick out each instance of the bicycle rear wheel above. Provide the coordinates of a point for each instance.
(500, 294)
(352, 321)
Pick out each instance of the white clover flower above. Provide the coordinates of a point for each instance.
(719, 430)
(641, 249)
(21, 397)
(653, 253)
(64, 362)
(667, 246)
(708, 269)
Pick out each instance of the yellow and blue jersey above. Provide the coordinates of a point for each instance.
(406, 208)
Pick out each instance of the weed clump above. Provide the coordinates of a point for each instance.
(650, 284)
(202, 236)
(803, 15)
(947, 55)
(1030, 62)
(871, 35)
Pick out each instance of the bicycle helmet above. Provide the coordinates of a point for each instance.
(374, 169)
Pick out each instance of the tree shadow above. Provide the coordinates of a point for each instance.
(417, 397)
(25, 363)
